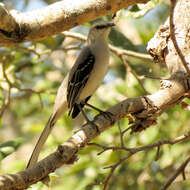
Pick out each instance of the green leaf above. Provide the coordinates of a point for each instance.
(134, 8)
(120, 40)
(138, 11)
(9, 147)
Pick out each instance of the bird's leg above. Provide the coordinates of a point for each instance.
(107, 115)
(86, 118)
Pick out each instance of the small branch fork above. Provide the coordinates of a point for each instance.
(132, 151)
(114, 49)
(180, 170)
(7, 99)
(12, 85)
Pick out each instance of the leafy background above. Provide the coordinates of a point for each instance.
(25, 117)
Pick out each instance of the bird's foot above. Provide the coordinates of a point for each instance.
(93, 125)
(108, 115)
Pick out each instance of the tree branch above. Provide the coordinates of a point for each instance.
(115, 50)
(17, 27)
(179, 171)
(173, 37)
(145, 110)
(161, 46)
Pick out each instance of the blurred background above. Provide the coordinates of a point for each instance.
(36, 70)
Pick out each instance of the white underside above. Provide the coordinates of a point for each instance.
(98, 73)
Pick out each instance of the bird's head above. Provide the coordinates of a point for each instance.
(100, 30)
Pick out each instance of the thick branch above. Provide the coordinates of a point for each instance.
(161, 46)
(18, 27)
(145, 109)
(173, 37)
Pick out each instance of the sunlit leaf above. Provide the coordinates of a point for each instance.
(9, 147)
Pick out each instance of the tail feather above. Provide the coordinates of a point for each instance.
(43, 137)
(60, 107)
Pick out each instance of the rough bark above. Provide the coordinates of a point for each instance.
(161, 46)
(17, 27)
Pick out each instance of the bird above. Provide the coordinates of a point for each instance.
(80, 83)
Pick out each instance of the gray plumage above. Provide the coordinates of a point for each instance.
(82, 81)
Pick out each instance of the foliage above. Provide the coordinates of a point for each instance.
(41, 66)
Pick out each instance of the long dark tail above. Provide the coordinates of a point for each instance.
(43, 137)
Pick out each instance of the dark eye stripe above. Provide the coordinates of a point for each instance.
(106, 25)
(101, 26)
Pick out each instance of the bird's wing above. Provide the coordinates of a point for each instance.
(79, 76)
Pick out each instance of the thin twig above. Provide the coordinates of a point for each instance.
(12, 85)
(173, 37)
(121, 134)
(114, 49)
(183, 175)
(129, 69)
(146, 147)
(157, 153)
(8, 97)
(113, 168)
(153, 77)
(132, 151)
(177, 172)
(28, 49)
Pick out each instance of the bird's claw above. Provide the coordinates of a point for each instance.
(108, 116)
(93, 125)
